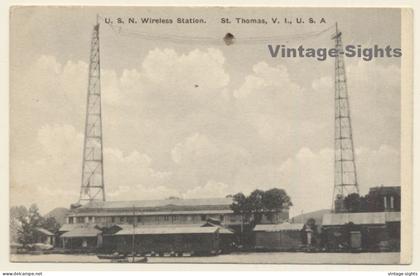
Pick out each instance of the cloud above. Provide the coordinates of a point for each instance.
(125, 173)
(309, 180)
(55, 138)
(56, 175)
(323, 84)
(209, 190)
(265, 76)
(51, 179)
(199, 158)
(374, 93)
(166, 67)
(178, 124)
(195, 148)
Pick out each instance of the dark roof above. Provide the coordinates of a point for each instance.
(385, 190)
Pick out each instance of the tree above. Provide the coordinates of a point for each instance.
(16, 213)
(275, 200)
(260, 203)
(28, 221)
(51, 224)
(255, 201)
(352, 203)
(240, 205)
(372, 202)
(26, 233)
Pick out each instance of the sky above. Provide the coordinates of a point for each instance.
(193, 119)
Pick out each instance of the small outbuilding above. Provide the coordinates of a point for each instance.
(44, 236)
(278, 237)
(166, 240)
(370, 231)
(82, 237)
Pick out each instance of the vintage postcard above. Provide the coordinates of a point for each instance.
(254, 135)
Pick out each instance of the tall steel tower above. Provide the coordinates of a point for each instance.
(92, 187)
(345, 177)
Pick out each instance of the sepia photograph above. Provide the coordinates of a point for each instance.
(208, 135)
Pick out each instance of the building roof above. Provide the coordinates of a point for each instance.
(386, 190)
(82, 231)
(360, 218)
(145, 207)
(159, 230)
(44, 231)
(159, 203)
(278, 227)
(128, 212)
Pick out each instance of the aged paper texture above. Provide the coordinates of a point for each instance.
(210, 135)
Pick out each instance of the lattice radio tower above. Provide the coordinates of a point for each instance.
(345, 177)
(92, 187)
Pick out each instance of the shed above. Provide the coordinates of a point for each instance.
(82, 237)
(227, 239)
(366, 231)
(278, 237)
(44, 236)
(161, 240)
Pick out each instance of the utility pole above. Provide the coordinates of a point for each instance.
(345, 176)
(92, 186)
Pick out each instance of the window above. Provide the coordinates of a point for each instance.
(138, 218)
(122, 219)
(113, 219)
(70, 220)
(203, 217)
(166, 218)
(130, 219)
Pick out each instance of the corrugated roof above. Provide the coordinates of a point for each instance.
(82, 231)
(356, 218)
(150, 213)
(128, 230)
(157, 203)
(44, 231)
(279, 227)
